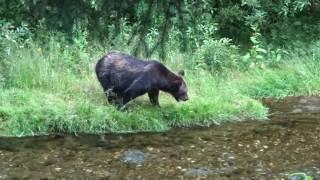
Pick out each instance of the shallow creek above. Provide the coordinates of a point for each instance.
(288, 142)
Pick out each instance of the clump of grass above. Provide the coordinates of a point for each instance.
(293, 79)
(42, 94)
(35, 111)
(43, 98)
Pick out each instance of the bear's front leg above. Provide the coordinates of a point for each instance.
(154, 97)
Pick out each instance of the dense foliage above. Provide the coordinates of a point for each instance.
(148, 27)
(193, 21)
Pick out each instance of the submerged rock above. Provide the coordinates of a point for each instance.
(133, 156)
(202, 171)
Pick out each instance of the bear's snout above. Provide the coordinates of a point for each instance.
(184, 98)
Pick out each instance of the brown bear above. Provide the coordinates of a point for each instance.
(124, 77)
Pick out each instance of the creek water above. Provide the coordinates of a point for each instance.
(286, 143)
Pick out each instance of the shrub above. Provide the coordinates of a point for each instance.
(217, 55)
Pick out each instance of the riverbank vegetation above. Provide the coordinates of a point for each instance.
(233, 53)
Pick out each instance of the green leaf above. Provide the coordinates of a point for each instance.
(259, 57)
(261, 50)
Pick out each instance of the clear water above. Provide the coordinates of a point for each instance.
(288, 142)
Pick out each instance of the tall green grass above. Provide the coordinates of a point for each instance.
(53, 89)
(299, 77)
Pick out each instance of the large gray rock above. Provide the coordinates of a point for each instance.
(133, 156)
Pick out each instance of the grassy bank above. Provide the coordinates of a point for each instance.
(42, 94)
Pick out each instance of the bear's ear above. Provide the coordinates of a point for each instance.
(181, 72)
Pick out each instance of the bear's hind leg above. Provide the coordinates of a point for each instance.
(115, 100)
(111, 96)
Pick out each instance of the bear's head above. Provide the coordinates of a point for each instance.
(181, 90)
